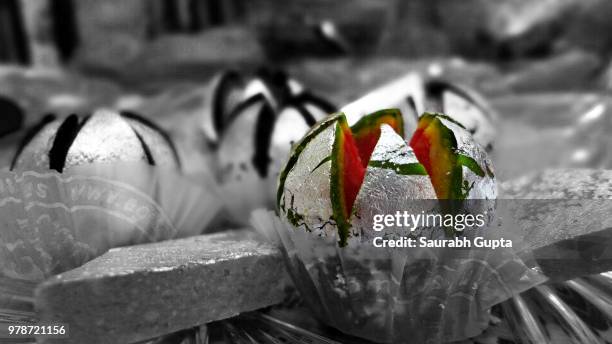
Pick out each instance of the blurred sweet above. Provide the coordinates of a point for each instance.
(253, 124)
(230, 92)
(104, 137)
(82, 185)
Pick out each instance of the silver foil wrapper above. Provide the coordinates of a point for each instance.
(385, 190)
(397, 295)
(105, 138)
(306, 196)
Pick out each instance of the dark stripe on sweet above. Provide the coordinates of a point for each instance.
(263, 139)
(229, 80)
(136, 117)
(321, 103)
(30, 135)
(434, 89)
(243, 106)
(145, 148)
(306, 115)
(84, 121)
(64, 137)
(412, 104)
(277, 82)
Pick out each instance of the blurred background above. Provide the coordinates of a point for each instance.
(545, 60)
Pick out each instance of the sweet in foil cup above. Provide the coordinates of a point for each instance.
(397, 295)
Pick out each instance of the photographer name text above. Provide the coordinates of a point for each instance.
(456, 242)
(458, 223)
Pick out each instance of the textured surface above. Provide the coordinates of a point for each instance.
(561, 184)
(140, 292)
(306, 192)
(386, 190)
(564, 218)
(105, 138)
(158, 146)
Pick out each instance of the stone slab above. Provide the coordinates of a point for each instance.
(565, 218)
(139, 292)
